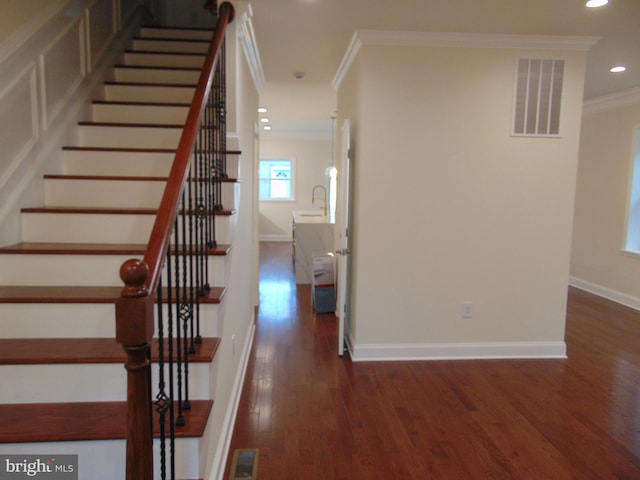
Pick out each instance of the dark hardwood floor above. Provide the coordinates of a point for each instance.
(313, 415)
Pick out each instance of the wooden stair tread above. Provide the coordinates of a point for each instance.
(130, 125)
(81, 294)
(110, 210)
(131, 178)
(35, 351)
(187, 29)
(58, 294)
(58, 422)
(155, 67)
(131, 149)
(125, 178)
(149, 52)
(151, 84)
(118, 149)
(96, 210)
(168, 39)
(140, 104)
(93, 248)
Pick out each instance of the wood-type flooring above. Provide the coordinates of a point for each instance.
(314, 415)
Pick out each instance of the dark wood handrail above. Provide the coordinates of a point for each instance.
(161, 233)
(135, 307)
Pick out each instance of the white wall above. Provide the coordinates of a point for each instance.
(50, 60)
(312, 157)
(238, 307)
(450, 208)
(598, 261)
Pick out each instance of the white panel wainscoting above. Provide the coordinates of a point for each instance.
(19, 118)
(458, 351)
(44, 88)
(62, 68)
(101, 27)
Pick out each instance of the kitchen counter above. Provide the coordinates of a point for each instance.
(309, 216)
(312, 234)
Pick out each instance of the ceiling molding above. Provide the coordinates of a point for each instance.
(247, 39)
(623, 98)
(457, 40)
(347, 60)
(476, 40)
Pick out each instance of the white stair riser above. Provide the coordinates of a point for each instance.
(87, 270)
(105, 459)
(23, 320)
(233, 170)
(86, 382)
(103, 193)
(101, 228)
(86, 228)
(148, 93)
(97, 459)
(230, 195)
(156, 75)
(83, 162)
(225, 229)
(128, 137)
(60, 192)
(173, 46)
(152, 114)
(162, 60)
(182, 34)
(153, 164)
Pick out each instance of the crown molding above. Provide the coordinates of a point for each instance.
(623, 98)
(247, 39)
(458, 40)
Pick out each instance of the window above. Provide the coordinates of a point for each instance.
(633, 222)
(276, 179)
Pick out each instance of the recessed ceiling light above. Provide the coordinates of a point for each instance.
(264, 120)
(262, 110)
(618, 69)
(596, 3)
(267, 127)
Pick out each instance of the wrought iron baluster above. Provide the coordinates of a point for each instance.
(185, 307)
(174, 258)
(163, 402)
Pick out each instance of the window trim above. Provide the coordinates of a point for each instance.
(632, 224)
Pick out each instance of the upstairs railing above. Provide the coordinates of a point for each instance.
(166, 286)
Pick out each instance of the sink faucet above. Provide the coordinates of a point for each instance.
(323, 197)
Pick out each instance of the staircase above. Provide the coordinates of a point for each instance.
(64, 388)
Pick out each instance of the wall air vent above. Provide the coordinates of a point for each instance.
(538, 97)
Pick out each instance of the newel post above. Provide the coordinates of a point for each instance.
(134, 330)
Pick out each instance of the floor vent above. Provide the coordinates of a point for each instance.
(244, 464)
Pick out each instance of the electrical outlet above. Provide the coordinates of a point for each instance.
(467, 309)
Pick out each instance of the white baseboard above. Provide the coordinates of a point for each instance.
(605, 292)
(458, 351)
(222, 452)
(275, 238)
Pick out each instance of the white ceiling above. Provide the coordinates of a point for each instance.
(311, 36)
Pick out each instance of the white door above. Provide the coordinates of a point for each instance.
(344, 237)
